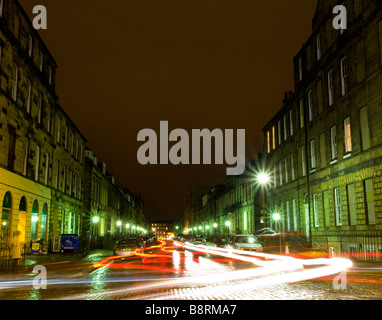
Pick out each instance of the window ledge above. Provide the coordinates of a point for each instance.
(333, 161)
(348, 155)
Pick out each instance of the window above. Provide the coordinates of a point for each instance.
(1, 7)
(269, 141)
(347, 135)
(274, 176)
(369, 201)
(318, 46)
(39, 118)
(26, 156)
(29, 99)
(285, 127)
(80, 189)
(49, 117)
(81, 153)
(310, 105)
(331, 87)
(288, 216)
(273, 138)
(337, 200)
(294, 207)
(58, 174)
(281, 172)
(312, 155)
(286, 166)
(15, 81)
(46, 168)
(365, 130)
(72, 147)
(66, 137)
(344, 76)
(50, 75)
(64, 179)
(322, 150)
(303, 161)
(291, 122)
(58, 129)
(70, 181)
(300, 68)
(333, 142)
(301, 113)
(12, 148)
(30, 46)
(37, 164)
(315, 210)
(41, 61)
(292, 166)
(352, 204)
(77, 148)
(279, 131)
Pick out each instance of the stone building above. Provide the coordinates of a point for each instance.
(116, 211)
(231, 208)
(42, 152)
(323, 148)
(28, 131)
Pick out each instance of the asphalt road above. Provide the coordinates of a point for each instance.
(169, 271)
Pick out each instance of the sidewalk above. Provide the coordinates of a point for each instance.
(42, 259)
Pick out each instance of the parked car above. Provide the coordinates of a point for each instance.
(265, 232)
(217, 241)
(244, 242)
(127, 246)
(199, 241)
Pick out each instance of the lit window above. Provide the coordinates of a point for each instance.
(312, 155)
(337, 197)
(333, 142)
(347, 135)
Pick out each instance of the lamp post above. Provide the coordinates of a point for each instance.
(228, 224)
(95, 221)
(277, 217)
(263, 179)
(215, 225)
(119, 224)
(127, 226)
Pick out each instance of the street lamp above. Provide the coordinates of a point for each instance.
(228, 224)
(215, 225)
(94, 228)
(276, 216)
(263, 179)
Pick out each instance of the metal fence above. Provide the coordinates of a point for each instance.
(6, 261)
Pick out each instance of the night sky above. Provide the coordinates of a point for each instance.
(125, 65)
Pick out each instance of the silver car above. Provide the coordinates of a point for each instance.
(244, 242)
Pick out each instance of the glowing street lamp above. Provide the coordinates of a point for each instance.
(95, 219)
(228, 225)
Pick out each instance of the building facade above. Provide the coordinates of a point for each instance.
(108, 209)
(231, 208)
(323, 148)
(43, 168)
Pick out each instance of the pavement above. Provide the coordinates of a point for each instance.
(33, 260)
